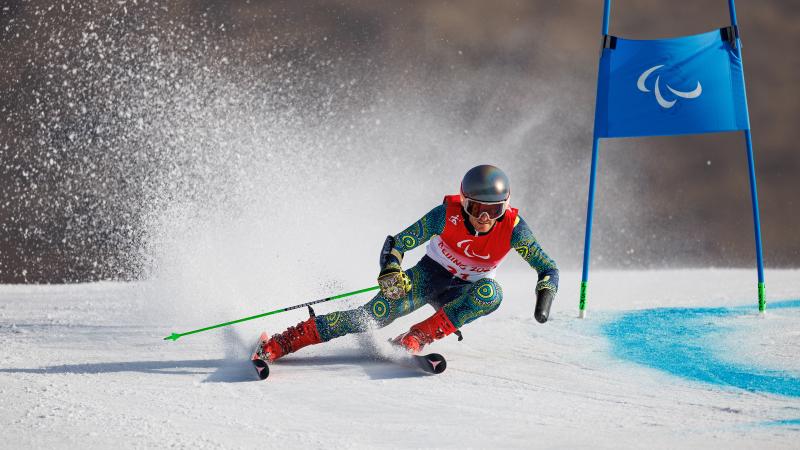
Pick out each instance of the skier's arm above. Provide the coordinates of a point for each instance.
(412, 237)
(394, 283)
(523, 241)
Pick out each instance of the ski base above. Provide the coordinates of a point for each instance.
(262, 368)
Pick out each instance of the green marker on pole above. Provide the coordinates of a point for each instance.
(176, 336)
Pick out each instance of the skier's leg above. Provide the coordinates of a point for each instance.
(475, 300)
(378, 312)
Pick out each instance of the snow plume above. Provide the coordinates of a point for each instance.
(165, 151)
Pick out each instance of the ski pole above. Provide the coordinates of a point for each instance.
(175, 336)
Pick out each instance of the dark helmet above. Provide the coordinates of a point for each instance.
(486, 184)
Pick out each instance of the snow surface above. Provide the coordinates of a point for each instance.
(85, 366)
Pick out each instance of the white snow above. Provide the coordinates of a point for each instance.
(85, 366)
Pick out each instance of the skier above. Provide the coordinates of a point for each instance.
(470, 235)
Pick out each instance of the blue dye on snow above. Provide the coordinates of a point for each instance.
(784, 423)
(679, 341)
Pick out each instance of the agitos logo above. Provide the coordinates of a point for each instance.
(664, 103)
(464, 246)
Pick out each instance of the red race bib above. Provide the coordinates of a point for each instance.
(465, 255)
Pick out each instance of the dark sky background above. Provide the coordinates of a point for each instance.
(110, 111)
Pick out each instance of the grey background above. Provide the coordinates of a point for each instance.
(111, 111)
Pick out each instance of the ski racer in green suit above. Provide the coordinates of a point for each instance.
(468, 236)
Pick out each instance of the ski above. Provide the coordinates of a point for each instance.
(262, 369)
(432, 362)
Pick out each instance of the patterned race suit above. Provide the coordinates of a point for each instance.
(457, 272)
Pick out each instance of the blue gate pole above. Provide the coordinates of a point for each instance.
(732, 11)
(607, 15)
(587, 242)
(762, 300)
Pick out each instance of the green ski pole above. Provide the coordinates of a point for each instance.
(175, 336)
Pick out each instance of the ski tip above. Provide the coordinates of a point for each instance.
(262, 369)
(436, 362)
(172, 337)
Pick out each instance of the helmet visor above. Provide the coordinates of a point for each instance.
(476, 209)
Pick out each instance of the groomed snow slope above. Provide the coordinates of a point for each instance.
(85, 366)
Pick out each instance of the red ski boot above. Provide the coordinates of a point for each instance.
(291, 340)
(434, 327)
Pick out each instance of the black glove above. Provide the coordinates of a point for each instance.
(544, 299)
(389, 254)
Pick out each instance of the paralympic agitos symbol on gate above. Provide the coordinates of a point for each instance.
(664, 103)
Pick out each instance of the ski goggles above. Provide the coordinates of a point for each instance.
(476, 209)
